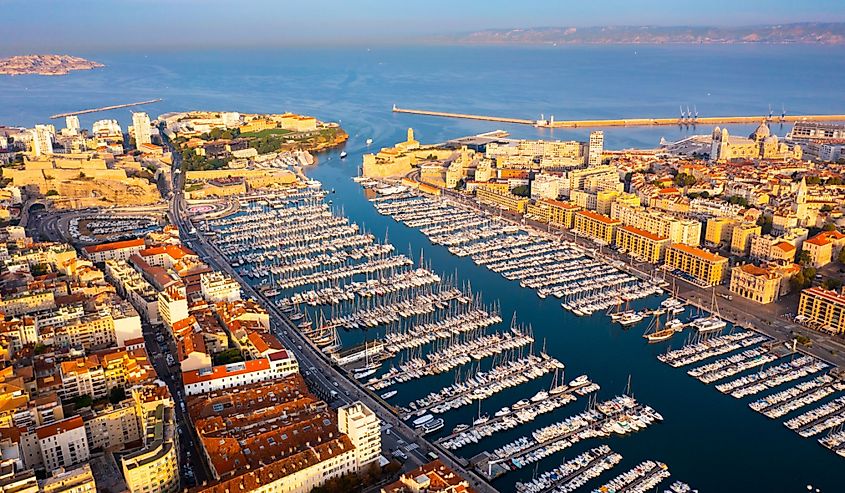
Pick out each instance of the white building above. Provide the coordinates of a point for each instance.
(106, 128)
(363, 428)
(231, 119)
(63, 444)
(141, 128)
(118, 250)
(72, 125)
(216, 287)
(276, 365)
(172, 305)
(547, 186)
(42, 141)
(595, 148)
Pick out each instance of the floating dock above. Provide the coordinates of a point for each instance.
(629, 122)
(105, 108)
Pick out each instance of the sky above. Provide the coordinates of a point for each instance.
(31, 26)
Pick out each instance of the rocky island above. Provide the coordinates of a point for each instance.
(45, 65)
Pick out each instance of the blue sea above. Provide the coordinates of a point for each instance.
(712, 441)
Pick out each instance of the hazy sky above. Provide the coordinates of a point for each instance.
(37, 25)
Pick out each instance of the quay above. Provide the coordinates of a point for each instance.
(629, 122)
(105, 108)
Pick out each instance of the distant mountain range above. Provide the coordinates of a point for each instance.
(797, 33)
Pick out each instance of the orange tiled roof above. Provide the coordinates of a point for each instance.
(599, 217)
(116, 245)
(217, 372)
(63, 426)
(698, 252)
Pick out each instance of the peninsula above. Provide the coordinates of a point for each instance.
(45, 65)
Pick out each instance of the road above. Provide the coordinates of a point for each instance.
(318, 370)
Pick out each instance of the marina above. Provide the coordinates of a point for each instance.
(538, 260)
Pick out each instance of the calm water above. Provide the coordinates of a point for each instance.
(712, 441)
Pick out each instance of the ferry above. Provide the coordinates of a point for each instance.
(389, 394)
(423, 419)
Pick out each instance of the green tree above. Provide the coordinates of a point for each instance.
(684, 180)
(826, 208)
(804, 257)
(841, 257)
(832, 284)
(51, 193)
(228, 356)
(829, 227)
(81, 401)
(117, 394)
(521, 190)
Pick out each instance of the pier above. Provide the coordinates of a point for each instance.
(105, 108)
(630, 122)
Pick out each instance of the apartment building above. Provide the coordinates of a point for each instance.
(216, 286)
(686, 231)
(706, 268)
(823, 309)
(63, 444)
(504, 200)
(641, 244)
(276, 365)
(118, 250)
(554, 212)
(741, 238)
(596, 226)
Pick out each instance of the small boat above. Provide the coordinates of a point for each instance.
(580, 381)
(389, 394)
(343, 155)
(461, 427)
(423, 419)
(364, 374)
(369, 141)
(481, 419)
(503, 411)
(660, 335)
(540, 396)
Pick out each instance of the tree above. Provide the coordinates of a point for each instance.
(829, 227)
(81, 401)
(51, 193)
(228, 356)
(765, 223)
(826, 208)
(117, 394)
(804, 257)
(684, 180)
(841, 257)
(521, 190)
(832, 284)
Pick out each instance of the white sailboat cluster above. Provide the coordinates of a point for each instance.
(537, 259)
